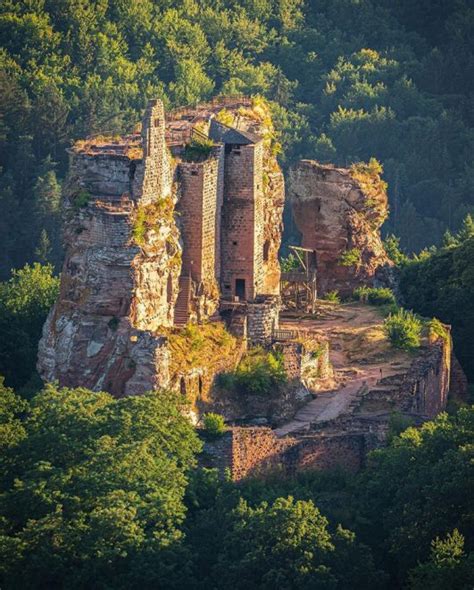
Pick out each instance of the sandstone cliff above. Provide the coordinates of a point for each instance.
(142, 232)
(119, 281)
(339, 213)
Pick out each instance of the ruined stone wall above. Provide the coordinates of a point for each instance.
(418, 394)
(198, 207)
(259, 221)
(106, 175)
(256, 451)
(262, 319)
(308, 365)
(190, 208)
(153, 178)
(422, 390)
(336, 215)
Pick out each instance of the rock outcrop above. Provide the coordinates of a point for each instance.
(339, 213)
(145, 253)
(116, 289)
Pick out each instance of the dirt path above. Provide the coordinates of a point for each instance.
(359, 354)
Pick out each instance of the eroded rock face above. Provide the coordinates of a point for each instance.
(115, 292)
(143, 240)
(339, 213)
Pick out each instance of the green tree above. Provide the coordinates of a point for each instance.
(288, 545)
(419, 488)
(25, 301)
(448, 568)
(93, 495)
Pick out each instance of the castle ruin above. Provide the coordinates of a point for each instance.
(176, 224)
(179, 225)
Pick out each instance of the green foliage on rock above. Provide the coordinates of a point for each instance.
(351, 257)
(198, 149)
(403, 328)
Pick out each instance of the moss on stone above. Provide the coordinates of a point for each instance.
(150, 216)
(199, 345)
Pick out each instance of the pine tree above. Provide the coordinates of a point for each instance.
(43, 250)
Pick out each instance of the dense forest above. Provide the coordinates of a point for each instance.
(97, 492)
(349, 80)
(103, 493)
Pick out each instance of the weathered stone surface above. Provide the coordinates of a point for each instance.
(145, 249)
(417, 392)
(336, 215)
(115, 293)
(458, 385)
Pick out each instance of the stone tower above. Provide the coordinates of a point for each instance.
(153, 179)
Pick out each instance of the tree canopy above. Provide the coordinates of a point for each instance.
(348, 81)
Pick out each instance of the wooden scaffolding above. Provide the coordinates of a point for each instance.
(298, 286)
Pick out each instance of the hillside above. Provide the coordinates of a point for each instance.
(349, 81)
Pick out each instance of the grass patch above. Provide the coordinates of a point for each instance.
(374, 295)
(260, 372)
(198, 149)
(150, 216)
(198, 345)
(403, 329)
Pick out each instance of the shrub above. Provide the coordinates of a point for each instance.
(198, 149)
(259, 372)
(351, 257)
(81, 199)
(374, 295)
(333, 296)
(290, 263)
(437, 330)
(403, 328)
(214, 425)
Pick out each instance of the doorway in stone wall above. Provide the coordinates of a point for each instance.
(240, 288)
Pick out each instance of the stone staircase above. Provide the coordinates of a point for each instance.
(181, 309)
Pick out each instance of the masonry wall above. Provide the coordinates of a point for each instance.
(262, 319)
(199, 210)
(242, 223)
(102, 175)
(256, 451)
(153, 177)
